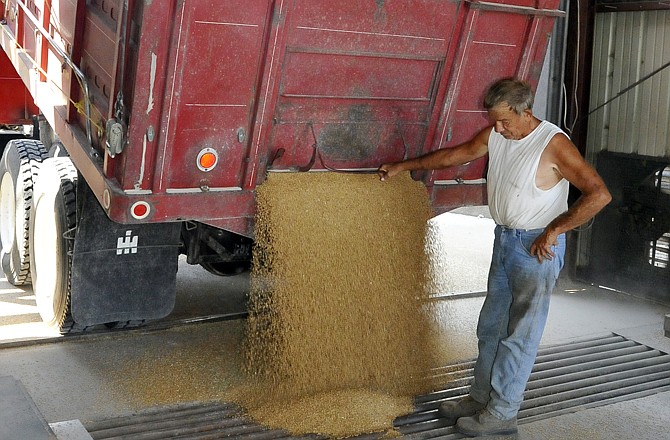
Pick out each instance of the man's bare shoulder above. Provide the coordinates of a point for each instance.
(481, 139)
(484, 134)
(561, 148)
(564, 156)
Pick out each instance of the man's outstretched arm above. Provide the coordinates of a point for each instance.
(442, 158)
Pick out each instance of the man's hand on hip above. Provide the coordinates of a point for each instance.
(541, 247)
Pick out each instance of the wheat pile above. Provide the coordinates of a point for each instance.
(339, 334)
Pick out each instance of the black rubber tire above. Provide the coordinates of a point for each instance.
(228, 269)
(18, 170)
(53, 223)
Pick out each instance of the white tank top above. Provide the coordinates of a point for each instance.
(514, 199)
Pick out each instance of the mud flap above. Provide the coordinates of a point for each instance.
(121, 272)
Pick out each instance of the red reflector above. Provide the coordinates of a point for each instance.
(140, 210)
(207, 160)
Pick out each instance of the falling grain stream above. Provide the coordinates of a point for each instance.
(338, 335)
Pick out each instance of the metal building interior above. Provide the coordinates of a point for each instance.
(606, 81)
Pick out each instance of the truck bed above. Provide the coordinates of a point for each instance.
(284, 85)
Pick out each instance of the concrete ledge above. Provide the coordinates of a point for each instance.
(19, 416)
(70, 430)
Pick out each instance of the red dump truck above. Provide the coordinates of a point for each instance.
(158, 119)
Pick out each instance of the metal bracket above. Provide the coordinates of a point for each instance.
(115, 140)
(116, 137)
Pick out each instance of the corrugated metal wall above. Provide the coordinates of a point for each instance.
(628, 46)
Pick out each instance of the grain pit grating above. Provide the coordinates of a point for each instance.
(566, 378)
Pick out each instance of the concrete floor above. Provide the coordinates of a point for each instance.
(102, 376)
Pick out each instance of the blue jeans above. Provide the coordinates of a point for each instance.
(512, 318)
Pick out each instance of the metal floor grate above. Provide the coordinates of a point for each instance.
(565, 378)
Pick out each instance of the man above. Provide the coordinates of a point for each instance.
(531, 164)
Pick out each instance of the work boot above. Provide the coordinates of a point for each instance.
(485, 423)
(453, 410)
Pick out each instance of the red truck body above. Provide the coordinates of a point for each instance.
(281, 85)
(171, 113)
(17, 106)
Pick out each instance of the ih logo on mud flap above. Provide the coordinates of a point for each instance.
(127, 245)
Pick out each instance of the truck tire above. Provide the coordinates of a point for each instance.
(18, 170)
(53, 223)
(227, 269)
